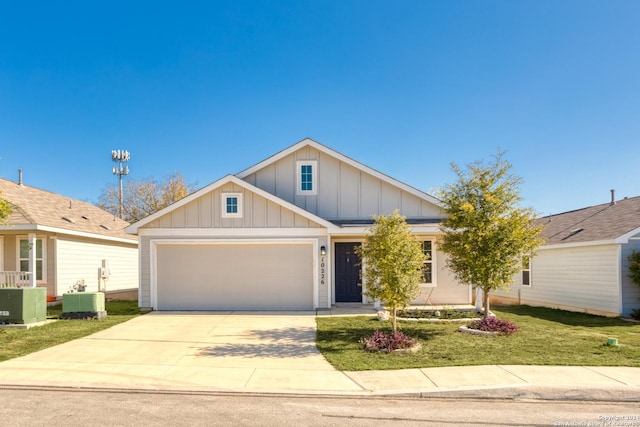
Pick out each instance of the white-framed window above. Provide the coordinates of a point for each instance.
(40, 257)
(526, 271)
(307, 177)
(231, 205)
(427, 267)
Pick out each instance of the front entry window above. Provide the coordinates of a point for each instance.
(526, 271)
(427, 266)
(39, 258)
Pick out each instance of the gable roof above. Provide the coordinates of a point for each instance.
(133, 228)
(609, 221)
(308, 142)
(36, 209)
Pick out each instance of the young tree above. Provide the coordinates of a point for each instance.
(634, 267)
(393, 262)
(486, 231)
(144, 196)
(5, 210)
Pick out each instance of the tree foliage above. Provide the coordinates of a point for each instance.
(144, 196)
(5, 210)
(634, 267)
(486, 231)
(393, 262)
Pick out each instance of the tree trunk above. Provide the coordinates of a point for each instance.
(486, 303)
(394, 322)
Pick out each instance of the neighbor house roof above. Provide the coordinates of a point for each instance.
(36, 209)
(614, 221)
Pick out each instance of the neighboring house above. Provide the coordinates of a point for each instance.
(280, 235)
(71, 240)
(583, 264)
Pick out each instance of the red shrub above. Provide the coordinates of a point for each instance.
(380, 341)
(493, 324)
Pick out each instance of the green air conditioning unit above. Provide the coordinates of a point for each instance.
(23, 305)
(82, 305)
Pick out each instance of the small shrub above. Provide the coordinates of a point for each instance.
(380, 341)
(493, 324)
(635, 314)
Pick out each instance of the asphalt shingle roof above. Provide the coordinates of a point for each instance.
(601, 222)
(33, 206)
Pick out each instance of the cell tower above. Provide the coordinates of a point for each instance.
(120, 169)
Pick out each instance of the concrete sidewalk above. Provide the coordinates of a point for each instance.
(276, 353)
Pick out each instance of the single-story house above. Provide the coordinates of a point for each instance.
(280, 235)
(583, 264)
(72, 241)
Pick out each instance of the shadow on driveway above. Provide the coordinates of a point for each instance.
(273, 343)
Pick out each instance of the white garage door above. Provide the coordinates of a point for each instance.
(235, 276)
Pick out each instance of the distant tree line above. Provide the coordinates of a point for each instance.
(144, 196)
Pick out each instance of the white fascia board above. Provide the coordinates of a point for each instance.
(199, 242)
(577, 244)
(245, 233)
(134, 228)
(624, 239)
(330, 152)
(359, 230)
(426, 229)
(35, 227)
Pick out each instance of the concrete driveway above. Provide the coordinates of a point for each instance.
(190, 350)
(276, 353)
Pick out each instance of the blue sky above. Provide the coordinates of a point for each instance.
(406, 87)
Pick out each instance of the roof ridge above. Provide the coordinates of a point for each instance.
(626, 199)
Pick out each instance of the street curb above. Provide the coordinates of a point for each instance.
(534, 393)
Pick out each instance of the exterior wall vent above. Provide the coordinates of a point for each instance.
(573, 233)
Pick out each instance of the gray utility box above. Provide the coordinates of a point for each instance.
(23, 305)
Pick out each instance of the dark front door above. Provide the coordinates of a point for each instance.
(347, 273)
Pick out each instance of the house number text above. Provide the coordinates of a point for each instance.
(322, 271)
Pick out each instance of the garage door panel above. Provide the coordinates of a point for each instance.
(235, 277)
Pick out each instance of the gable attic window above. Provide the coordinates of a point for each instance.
(231, 205)
(307, 174)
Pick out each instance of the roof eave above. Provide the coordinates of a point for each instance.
(579, 244)
(44, 228)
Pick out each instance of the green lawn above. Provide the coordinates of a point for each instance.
(548, 337)
(19, 342)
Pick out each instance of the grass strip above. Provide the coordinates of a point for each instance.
(19, 342)
(548, 337)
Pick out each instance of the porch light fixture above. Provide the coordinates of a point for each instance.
(323, 250)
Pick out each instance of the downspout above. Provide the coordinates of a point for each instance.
(620, 296)
(329, 269)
